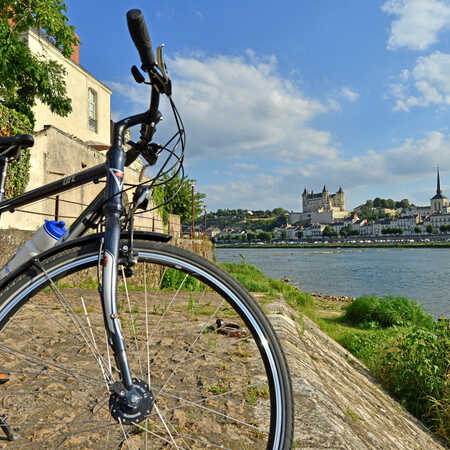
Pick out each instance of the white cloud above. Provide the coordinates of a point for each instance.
(410, 162)
(234, 106)
(349, 95)
(244, 166)
(240, 115)
(428, 83)
(418, 22)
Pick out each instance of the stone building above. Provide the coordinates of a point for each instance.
(66, 145)
(322, 207)
(439, 203)
(323, 201)
(91, 112)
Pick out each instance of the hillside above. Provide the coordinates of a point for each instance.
(241, 219)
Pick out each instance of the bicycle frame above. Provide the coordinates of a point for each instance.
(94, 174)
(108, 203)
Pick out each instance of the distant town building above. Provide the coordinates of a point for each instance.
(322, 207)
(439, 203)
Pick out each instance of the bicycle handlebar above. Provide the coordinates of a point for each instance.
(141, 38)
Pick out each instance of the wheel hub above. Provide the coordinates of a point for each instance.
(132, 406)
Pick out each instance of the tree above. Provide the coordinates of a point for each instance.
(251, 237)
(25, 77)
(444, 228)
(418, 230)
(377, 203)
(328, 231)
(178, 203)
(265, 236)
(430, 229)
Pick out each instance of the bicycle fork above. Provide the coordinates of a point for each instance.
(131, 400)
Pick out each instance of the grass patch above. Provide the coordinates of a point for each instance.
(173, 278)
(255, 281)
(374, 312)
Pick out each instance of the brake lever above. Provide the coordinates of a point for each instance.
(160, 62)
(149, 152)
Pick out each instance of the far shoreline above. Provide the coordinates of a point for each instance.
(343, 245)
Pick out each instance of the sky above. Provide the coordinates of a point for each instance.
(276, 97)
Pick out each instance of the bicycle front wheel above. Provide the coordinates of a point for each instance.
(196, 337)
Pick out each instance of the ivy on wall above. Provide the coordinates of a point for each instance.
(11, 123)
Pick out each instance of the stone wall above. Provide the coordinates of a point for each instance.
(11, 239)
(56, 155)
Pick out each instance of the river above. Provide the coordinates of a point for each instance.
(422, 274)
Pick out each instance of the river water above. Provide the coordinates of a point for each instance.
(421, 274)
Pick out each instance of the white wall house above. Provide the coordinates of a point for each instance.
(90, 118)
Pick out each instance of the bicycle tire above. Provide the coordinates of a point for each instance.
(61, 372)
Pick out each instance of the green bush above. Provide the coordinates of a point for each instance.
(416, 371)
(372, 311)
(11, 123)
(172, 279)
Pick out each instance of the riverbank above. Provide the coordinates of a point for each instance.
(343, 245)
(402, 345)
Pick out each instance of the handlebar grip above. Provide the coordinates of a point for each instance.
(141, 38)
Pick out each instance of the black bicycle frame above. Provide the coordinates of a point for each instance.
(108, 203)
(94, 174)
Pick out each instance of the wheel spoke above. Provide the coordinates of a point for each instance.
(210, 390)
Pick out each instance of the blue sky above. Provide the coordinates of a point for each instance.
(301, 93)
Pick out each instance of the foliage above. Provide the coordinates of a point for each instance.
(368, 345)
(348, 230)
(444, 228)
(11, 123)
(328, 231)
(411, 362)
(255, 281)
(265, 236)
(416, 372)
(180, 202)
(158, 197)
(418, 230)
(392, 230)
(429, 229)
(25, 77)
(372, 311)
(389, 203)
(172, 279)
(372, 209)
(247, 220)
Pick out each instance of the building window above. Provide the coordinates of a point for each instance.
(92, 105)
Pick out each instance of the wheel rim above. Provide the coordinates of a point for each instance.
(172, 420)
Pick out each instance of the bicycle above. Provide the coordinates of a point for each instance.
(181, 380)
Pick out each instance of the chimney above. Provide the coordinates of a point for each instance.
(75, 57)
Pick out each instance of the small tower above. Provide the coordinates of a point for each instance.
(439, 203)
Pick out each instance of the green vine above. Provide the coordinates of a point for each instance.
(158, 197)
(11, 123)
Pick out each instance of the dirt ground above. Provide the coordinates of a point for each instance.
(210, 388)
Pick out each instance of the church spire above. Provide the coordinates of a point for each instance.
(438, 189)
